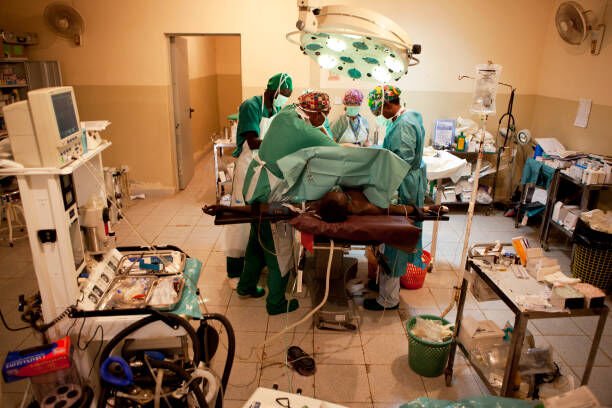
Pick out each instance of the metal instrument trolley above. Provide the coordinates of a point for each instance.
(520, 328)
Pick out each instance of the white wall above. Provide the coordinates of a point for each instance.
(125, 54)
(571, 72)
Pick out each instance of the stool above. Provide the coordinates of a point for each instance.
(10, 210)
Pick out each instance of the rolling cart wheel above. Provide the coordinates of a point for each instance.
(430, 267)
(545, 247)
(350, 326)
(11, 244)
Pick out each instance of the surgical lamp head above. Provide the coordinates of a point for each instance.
(357, 43)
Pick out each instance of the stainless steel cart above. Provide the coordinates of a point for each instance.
(222, 181)
(518, 335)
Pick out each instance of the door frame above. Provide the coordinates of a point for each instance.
(171, 116)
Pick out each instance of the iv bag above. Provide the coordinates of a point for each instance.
(485, 88)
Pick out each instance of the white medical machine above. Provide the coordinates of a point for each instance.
(45, 129)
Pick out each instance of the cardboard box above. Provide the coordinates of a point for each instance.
(563, 212)
(572, 218)
(481, 334)
(37, 360)
(539, 268)
(593, 296)
(581, 397)
(481, 291)
(567, 297)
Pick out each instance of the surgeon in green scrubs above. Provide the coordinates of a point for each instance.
(351, 127)
(254, 117)
(405, 136)
(271, 244)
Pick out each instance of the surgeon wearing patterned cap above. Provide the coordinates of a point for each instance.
(405, 136)
(351, 127)
(294, 128)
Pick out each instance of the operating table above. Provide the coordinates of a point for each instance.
(324, 265)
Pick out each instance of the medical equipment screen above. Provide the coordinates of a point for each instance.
(64, 114)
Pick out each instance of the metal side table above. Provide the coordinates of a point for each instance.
(518, 335)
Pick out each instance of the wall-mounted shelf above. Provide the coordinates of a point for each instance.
(68, 169)
(13, 85)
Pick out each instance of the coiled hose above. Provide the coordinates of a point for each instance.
(169, 319)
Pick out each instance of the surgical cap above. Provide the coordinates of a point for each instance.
(280, 81)
(314, 101)
(375, 97)
(353, 97)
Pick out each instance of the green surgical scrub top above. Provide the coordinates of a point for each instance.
(287, 134)
(249, 116)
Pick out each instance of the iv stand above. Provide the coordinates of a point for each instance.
(472, 205)
(470, 215)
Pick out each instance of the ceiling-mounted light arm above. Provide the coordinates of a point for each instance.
(358, 43)
(307, 10)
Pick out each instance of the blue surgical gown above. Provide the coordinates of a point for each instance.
(406, 137)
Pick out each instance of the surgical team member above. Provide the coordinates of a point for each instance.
(254, 116)
(351, 127)
(271, 244)
(405, 136)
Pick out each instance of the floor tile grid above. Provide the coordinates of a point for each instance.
(157, 206)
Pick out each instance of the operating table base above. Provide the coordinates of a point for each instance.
(338, 313)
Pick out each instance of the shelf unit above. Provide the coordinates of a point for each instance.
(470, 157)
(36, 74)
(564, 187)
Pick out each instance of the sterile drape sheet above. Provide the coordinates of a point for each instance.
(312, 172)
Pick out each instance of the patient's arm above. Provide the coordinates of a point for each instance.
(359, 205)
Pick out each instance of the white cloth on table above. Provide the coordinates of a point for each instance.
(442, 164)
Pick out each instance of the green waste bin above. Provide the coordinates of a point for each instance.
(427, 358)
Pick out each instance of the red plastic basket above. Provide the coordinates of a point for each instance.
(415, 276)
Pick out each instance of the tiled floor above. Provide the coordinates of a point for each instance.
(368, 368)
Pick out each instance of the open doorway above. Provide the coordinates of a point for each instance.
(206, 89)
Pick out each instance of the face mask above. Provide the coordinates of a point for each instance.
(352, 110)
(382, 121)
(279, 101)
(322, 125)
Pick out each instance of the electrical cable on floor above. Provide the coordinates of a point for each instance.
(88, 342)
(13, 329)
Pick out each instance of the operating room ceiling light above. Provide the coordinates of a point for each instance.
(357, 43)
(327, 61)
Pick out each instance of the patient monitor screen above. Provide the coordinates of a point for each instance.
(64, 114)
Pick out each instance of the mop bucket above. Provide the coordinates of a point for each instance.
(415, 276)
(427, 358)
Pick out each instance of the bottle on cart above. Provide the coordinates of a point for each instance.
(461, 143)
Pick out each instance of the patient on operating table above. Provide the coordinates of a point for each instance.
(334, 206)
